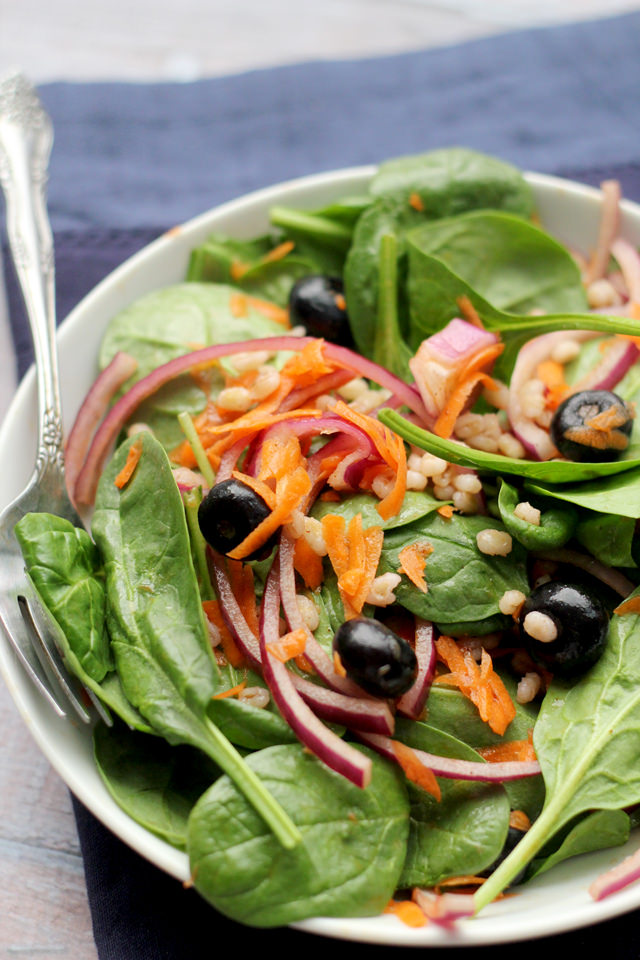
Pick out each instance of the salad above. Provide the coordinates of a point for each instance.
(359, 595)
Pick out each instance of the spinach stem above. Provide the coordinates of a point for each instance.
(533, 840)
(312, 225)
(192, 500)
(186, 424)
(227, 757)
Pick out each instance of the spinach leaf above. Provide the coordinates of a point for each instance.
(596, 831)
(587, 738)
(618, 494)
(463, 583)
(462, 833)
(167, 323)
(513, 264)
(64, 565)
(453, 180)
(155, 618)
(555, 529)
(319, 227)
(389, 349)
(479, 628)
(348, 863)
(548, 471)
(608, 538)
(155, 784)
(416, 504)
(213, 260)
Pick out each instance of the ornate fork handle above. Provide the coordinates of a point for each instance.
(26, 137)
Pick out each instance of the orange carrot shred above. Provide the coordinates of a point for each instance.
(291, 645)
(233, 654)
(552, 375)
(479, 683)
(238, 304)
(416, 771)
(258, 486)
(519, 820)
(270, 310)
(232, 692)
(415, 201)
(133, 456)
(632, 605)
(279, 252)
(469, 312)
(238, 269)
(408, 912)
(446, 511)
(444, 425)
(521, 750)
(413, 560)
(338, 666)
(308, 564)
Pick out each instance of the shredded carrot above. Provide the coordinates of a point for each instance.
(444, 425)
(302, 663)
(354, 554)
(446, 511)
(415, 201)
(338, 666)
(233, 654)
(556, 388)
(258, 486)
(480, 360)
(466, 880)
(238, 269)
(183, 455)
(416, 771)
(291, 645)
(330, 496)
(521, 750)
(308, 365)
(242, 584)
(308, 564)
(519, 820)
(632, 605)
(479, 683)
(413, 559)
(469, 312)
(232, 692)
(408, 912)
(340, 301)
(238, 305)
(279, 252)
(133, 456)
(270, 310)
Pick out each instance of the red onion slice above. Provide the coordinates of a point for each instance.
(92, 411)
(334, 752)
(411, 703)
(535, 439)
(620, 876)
(443, 908)
(233, 615)
(87, 481)
(619, 357)
(458, 769)
(609, 230)
(629, 263)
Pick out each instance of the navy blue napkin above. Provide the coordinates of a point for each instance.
(131, 160)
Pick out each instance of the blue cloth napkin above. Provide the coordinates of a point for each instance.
(131, 160)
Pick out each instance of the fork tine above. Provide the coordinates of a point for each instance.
(46, 651)
(14, 628)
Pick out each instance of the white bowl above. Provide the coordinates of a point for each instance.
(559, 900)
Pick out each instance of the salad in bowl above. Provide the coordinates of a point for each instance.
(359, 584)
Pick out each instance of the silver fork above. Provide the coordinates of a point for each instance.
(26, 137)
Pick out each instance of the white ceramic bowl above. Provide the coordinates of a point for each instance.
(556, 902)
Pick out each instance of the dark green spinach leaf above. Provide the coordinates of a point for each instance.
(556, 524)
(595, 831)
(608, 538)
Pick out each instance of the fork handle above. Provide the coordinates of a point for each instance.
(26, 137)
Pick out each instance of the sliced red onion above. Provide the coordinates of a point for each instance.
(92, 411)
(609, 230)
(443, 908)
(356, 713)
(629, 263)
(323, 742)
(437, 363)
(229, 461)
(535, 439)
(87, 481)
(315, 654)
(411, 703)
(188, 479)
(233, 615)
(617, 359)
(617, 878)
(302, 395)
(458, 769)
(608, 575)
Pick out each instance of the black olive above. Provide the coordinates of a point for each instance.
(576, 616)
(593, 426)
(229, 513)
(375, 658)
(317, 302)
(513, 838)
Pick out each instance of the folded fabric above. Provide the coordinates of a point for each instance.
(130, 161)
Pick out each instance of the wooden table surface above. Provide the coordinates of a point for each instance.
(43, 904)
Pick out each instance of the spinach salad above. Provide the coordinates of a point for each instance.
(360, 590)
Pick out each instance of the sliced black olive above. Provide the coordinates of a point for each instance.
(514, 836)
(317, 302)
(375, 658)
(229, 513)
(564, 627)
(593, 426)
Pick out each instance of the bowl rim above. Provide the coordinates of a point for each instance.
(493, 925)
